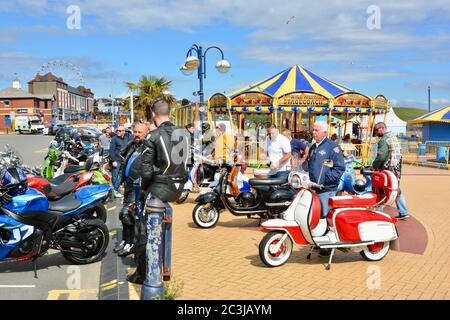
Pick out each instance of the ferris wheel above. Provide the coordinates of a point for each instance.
(64, 69)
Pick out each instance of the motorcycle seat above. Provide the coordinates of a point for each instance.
(267, 182)
(59, 179)
(74, 169)
(64, 188)
(364, 200)
(68, 203)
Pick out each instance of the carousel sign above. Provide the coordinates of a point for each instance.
(252, 99)
(352, 100)
(305, 99)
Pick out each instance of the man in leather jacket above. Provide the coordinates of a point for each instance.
(163, 173)
(131, 172)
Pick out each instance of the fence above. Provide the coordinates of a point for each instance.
(431, 153)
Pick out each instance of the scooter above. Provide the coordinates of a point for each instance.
(268, 198)
(354, 223)
(30, 225)
(348, 181)
(204, 182)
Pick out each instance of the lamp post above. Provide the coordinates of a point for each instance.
(198, 62)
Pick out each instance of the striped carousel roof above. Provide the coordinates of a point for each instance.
(441, 115)
(291, 80)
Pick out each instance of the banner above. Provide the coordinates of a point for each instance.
(303, 99)
(352, 100)
(252, 99)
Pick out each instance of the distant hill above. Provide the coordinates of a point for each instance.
(409, 113)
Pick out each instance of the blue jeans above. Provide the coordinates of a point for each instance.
(116, 177)
(401, 204)
(324, 196)
(279, 174)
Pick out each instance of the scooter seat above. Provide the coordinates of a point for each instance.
(267, 182)
(364, 200)
(74, 169)
(68, 203)
(64, 189)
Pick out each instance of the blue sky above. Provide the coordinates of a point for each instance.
(120, 40)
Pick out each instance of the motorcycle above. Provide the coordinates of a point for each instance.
(30, 225)
(354, 223)
(268, 198)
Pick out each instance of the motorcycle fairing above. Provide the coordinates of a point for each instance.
(31, 200)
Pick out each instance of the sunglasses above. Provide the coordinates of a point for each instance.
(120, 130)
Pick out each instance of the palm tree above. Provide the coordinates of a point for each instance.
(147, 90)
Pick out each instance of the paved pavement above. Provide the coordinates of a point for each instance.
(223, 262)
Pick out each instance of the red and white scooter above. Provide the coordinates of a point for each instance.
(353, 223)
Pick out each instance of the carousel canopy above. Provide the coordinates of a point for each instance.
(441, 115)
(294, 79)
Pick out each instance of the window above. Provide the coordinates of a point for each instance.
(6, 102)
(46, 104)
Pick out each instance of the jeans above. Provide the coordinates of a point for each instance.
(401, 204)
(324, 196)
(116, 177)
(279, 174)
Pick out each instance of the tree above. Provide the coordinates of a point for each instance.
(147, 90)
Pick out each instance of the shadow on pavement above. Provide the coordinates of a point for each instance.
(44, 262)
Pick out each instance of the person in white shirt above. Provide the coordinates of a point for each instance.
(279, 152)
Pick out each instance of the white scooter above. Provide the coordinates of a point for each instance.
(354, 223)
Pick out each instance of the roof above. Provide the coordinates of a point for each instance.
(441, 115)
(294, 79)
(18, 93)
(15, 93)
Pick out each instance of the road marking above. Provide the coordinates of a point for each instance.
(112, 208)
(72, 294)
(109, 285)
(18, 286)
(113, 233)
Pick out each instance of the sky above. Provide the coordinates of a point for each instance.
(395, 48)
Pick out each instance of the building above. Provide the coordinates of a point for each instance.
(15, 101)
(436, 125)
(70, 103)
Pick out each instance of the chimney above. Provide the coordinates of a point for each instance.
(16, 82)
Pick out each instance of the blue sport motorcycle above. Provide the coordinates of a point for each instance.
(30, 225)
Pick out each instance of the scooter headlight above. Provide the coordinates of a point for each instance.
(295, 182)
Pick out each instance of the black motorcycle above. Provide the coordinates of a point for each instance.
(267, 199)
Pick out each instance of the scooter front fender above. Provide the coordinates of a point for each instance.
(210, 197)
(290, 227)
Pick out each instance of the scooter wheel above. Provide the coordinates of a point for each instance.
(275, 259)
(184, 195)
(375, 252)
(205, 218)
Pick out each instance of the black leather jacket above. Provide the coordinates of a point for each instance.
(164, 159)
(135, 169)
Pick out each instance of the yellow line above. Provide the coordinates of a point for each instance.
(55, 294)
(112, 208)
(113, 233)
(109, 283)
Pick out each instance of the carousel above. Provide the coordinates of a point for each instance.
(293, 99)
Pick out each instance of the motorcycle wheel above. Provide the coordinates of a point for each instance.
(95, 248)
(280, 257)
(205, 218)
(375, 252)
(99, 212)
(184, 195)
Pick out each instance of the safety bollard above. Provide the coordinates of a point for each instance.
(153, 287)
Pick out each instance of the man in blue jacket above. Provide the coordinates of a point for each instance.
(118, 142)
(325, 149)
